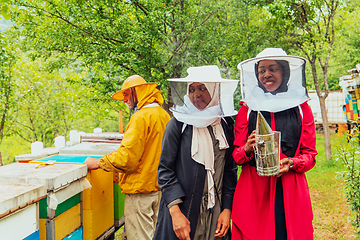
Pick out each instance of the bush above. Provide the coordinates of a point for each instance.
(347, 151)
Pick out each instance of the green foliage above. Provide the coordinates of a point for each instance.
(347, 51)
(7, 86)
(106, 41)
(12, 146)
(347, 151)
(309, 28)
(6, 9)
(160, 39)
(155, 39)
(51, 103)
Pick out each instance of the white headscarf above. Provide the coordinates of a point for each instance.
(202, 150)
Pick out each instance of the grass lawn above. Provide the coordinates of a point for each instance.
(332, 215)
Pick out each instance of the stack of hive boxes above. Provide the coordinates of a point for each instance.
(60, 212)
(92, 213)
(99, 205)
(351, 90)
(97, 201)
(19, 210)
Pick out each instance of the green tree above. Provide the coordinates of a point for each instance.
(245, 35)
(347, 47)
(51, 102)
(6, 9)
(155, 39)
(311, 27)
(7, 86)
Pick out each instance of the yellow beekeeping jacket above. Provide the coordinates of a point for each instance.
(137, 159)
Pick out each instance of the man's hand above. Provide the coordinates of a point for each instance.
(223, 223)
(92, 163)
(181, 224)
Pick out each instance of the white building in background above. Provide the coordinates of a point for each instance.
(334, 107)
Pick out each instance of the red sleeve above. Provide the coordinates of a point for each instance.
(304, 160)
(241, 135)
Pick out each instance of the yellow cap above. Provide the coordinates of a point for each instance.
(130, 82)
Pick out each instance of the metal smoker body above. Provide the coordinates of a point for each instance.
(267, 148)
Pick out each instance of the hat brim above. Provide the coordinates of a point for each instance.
(119, 95)
(291, 59)
(190, 79)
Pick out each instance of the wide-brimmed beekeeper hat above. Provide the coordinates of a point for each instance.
(273, 54)
(209, 73)
(130, 82)
(255, 97)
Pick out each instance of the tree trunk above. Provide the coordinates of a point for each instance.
(1, 163)
(325, 128)
(322, 98)
(168, 104)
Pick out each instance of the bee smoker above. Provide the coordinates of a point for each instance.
(267, 148)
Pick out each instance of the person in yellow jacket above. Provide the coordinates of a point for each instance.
(137, 159)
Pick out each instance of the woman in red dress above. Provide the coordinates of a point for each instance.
(275, 207)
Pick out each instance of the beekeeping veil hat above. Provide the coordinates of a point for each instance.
(291, 93)
(183, 109)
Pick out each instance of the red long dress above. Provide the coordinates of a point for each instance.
(253, 210)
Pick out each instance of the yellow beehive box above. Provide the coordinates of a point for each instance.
(98, 205)
(357, 93)
(65, 223)
(348, 115)
(94, 223)
(42, 229)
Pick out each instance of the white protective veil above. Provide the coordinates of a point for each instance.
(185, 112)
(258, 99)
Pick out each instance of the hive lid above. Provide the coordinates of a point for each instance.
(90, 148)
(14, 196)
(53, 177)
(45, 152)
(65, 158)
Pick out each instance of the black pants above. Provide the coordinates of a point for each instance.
(280, 224)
